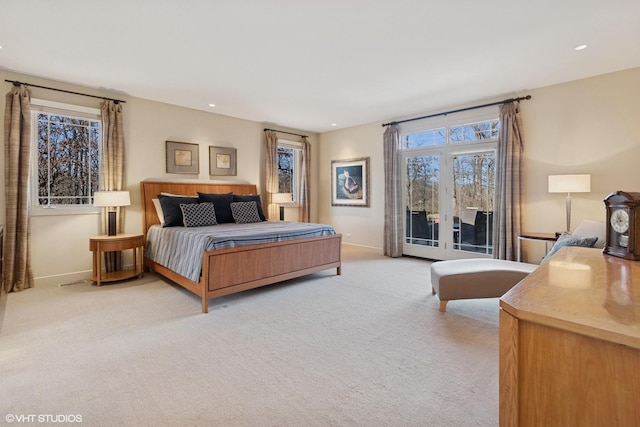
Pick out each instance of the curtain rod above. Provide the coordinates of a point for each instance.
(290, 133)
(504, 101)
(17, 83)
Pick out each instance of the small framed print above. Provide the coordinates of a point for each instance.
(350, 182)
(222, 161)
(182, 157)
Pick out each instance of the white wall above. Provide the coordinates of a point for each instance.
(60, 244)
(584, 126)
(358, 225)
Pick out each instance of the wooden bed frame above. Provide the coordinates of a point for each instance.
(229, 271)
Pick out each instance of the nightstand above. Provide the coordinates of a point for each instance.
(101, 244)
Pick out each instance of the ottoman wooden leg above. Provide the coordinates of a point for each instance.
(443, 306)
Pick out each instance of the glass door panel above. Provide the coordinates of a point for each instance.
(473, 197)
(422, 198)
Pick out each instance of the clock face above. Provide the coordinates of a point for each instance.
(619, 220)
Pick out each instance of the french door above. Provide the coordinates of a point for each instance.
(448, 198)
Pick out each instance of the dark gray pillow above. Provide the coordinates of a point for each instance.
(221, 203)
(245, 212)
(252, 198)
(171, 209)
(567, 239)
(198, 214)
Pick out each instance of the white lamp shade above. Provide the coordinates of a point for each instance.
(109, 199)
(281, 198)
(570, 183)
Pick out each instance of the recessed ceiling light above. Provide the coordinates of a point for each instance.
(580, 47)
(212, 105)
(333, 124)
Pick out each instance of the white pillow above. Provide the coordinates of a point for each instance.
(158, 206)
(589, 228)
(174, 195)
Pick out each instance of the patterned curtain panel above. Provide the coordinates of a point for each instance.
(16, 272)
(112, 170)
(508, 204)
(392, 193)
(305, 191)
(271, 170)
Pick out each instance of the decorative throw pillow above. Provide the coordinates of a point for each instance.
(171, 209)
(567, 239)
(245, 212)
(252, 198)
(198, 214)
(221, 203)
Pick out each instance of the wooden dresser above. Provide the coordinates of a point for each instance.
(570, 343)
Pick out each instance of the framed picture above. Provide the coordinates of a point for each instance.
(350, 182)
(182, 157)
(222, 161)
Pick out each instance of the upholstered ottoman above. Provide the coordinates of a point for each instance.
(475, 278)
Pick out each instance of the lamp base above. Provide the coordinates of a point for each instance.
(111, 230)
(281, 213)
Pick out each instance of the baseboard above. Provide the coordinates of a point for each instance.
(362, 246)
(63, 279)
(67, 278)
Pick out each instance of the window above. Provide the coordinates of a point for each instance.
(424, 139)
(289, 167)
(66, 156)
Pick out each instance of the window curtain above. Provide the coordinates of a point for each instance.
(508, 203)
(112, 170)
(271, 170)
(392, 193)
(16, 272)
(305, 180)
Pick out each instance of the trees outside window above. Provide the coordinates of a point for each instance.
(67, 155)
(289, 167)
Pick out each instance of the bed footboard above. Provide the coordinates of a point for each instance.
(228, 271)
(235, 270)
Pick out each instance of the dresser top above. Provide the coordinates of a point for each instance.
(583, 291)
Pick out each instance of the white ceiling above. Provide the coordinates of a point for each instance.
(307, 64)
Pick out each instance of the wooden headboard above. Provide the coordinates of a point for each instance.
(149, 190)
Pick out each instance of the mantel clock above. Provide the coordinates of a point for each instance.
(623, 225)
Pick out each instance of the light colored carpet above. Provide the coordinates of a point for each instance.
(368, 348)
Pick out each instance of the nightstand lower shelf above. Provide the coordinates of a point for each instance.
(114, 276)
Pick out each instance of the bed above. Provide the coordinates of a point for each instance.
(228, 271)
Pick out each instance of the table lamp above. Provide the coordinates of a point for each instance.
(279, 199)
(569, 184)
(111, 199)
